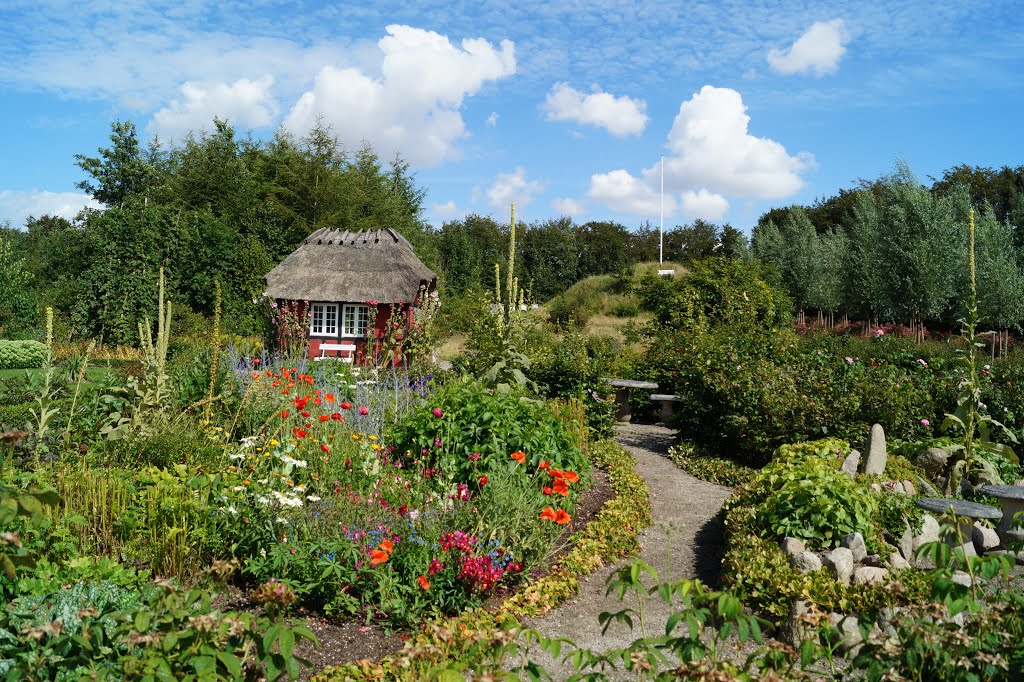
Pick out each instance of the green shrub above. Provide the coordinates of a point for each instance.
(22, 354)
(691, 459)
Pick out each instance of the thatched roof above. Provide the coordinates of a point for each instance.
(336, 265)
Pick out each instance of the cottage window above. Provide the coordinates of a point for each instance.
(324, 319)
(355, 320)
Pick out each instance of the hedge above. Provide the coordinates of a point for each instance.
(22, 354)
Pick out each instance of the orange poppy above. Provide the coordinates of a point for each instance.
(547, 490)
(424, 583)
(519, 456)
(571, 476)
(544, 465)
(562, 517)
(329, 397)
(560, 487)
(387, 546)
(378, 557)
(548, 513)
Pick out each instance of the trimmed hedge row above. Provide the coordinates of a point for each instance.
(22, 354)
(454, 645)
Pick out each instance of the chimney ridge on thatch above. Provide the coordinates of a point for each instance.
(344, 266)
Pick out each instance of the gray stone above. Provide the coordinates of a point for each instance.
(909, 488)
(873, 560)
(851, 464)
(906, 543)
(840, 562)
(897, 562)
(927, 488)
(855, 543)
(798, 626)
(866, 575)
(984, 538)
(967, 548)
(895, 487)
(961, 578)
(886, 617)
(792, 546)
(930, 529)
(805, 562)
(848, 638)
(933, 461)
(877, 455)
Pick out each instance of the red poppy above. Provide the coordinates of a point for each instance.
(547, 490)
(324, 417)
(300, 403)
(284, 415)
(561, 487)
(317, 401)
(305, 414)
(424, 583)
(482, 481)
(548, 513)
(255, 361)
(364, 410)
(329, 397)
(325, 448)
(571, 476)
(519, 456)
(346, 405)
(378, 557)
(337, 416)
(544, 465)
(299, 433)
(562, 517)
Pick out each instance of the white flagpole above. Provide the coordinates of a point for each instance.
(661, 224)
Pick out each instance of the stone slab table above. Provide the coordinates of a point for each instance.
(963, 513)
(1011, 497)
(622, 387)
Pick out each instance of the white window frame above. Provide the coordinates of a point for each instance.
(320, 322)
(352, 315)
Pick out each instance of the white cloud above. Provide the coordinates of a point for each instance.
(620, 191)
(17, 205)
(704, 204)
(509, 187)
(569, 207)
(711, 147)
(618, 115)
(247, 103)
(492, 120)
(413, 106)
(711, 156)
(445, 210)
(817, 51)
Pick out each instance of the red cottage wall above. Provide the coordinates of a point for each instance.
(379, 330)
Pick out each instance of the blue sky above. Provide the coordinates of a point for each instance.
(565, 107)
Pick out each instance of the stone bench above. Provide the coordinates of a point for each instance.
(1011, 497)
(666, 405)
(622, 386)
(960, 514)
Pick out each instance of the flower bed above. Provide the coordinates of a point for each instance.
(466, 641)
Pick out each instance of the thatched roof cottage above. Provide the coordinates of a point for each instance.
(343, 276)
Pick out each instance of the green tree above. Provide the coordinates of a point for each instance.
(120, 171)
(550, 258)
(17, 305)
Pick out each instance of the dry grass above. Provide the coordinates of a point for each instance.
(611, 325)
(451, 347)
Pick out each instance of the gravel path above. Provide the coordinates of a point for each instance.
(685, 540)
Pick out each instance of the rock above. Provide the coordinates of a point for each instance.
(851, 464)
(873, 560)
(792, 546)
(855, 543)
(886, 617)
(894, 487)
(909, 488)
(968, 549)
(875, 488)
(866, 575)
(906, 543)
(797, 627)
(930, 529)
(927, 487)
(933, 461)
(805, 562)
(849, 637)
(897, 562)
(984, 538)
(1015, 539)
(840, 562)
(877, 455)
(961, 578)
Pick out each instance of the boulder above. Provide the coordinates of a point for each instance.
(851, 464)
(866, 575)
(897, 562)
(873, 560)
(877, 454)
(930, 529)
(805, 562)
(798, 625)
(933, 461)
(908, 488)
(792, 546)
(855, 543)
(927, 487)
(848, 638)
(840, 562)
(984, 538)
(962, 578)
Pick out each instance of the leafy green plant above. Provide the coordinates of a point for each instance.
(21, 354)
(16, 503)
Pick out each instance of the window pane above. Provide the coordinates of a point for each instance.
(317, 325)
(331, 324)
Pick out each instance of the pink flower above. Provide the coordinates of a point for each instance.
(921, 362)
(925, 422)
(437, 412)
(879, 332)
(364, 410)
(849, 359)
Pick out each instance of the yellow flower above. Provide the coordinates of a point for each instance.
(246, 482)
(273, 442)
(373, 437)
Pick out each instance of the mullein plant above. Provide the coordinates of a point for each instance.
(45, 412)
(970, 415)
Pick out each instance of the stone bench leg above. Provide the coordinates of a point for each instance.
(623, 412)
(1010, 509)
(666, 410)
